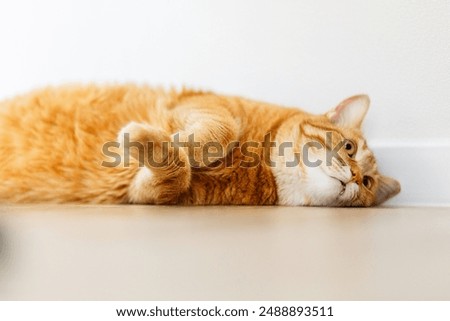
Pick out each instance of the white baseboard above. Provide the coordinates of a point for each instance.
(423, 171)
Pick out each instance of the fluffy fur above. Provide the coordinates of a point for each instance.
(53, 142)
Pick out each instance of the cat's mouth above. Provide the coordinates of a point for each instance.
(343, 187)
(348, 192)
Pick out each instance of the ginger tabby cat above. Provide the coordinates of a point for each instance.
(135, 144)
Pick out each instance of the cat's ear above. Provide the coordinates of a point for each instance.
(350, 112)
(387, 188)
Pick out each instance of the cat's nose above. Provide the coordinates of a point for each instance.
(356, 177)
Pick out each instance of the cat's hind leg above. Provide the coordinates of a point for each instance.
(164, 172)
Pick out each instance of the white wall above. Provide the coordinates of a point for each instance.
(302, 53)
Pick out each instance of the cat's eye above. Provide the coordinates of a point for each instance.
(350, 147)
(367, 181)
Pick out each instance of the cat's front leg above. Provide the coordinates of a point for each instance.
(164, 172)
(205, 134)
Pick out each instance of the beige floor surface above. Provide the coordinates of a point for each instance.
(224, 253)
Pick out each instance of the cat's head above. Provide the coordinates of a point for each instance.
(335, 167)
